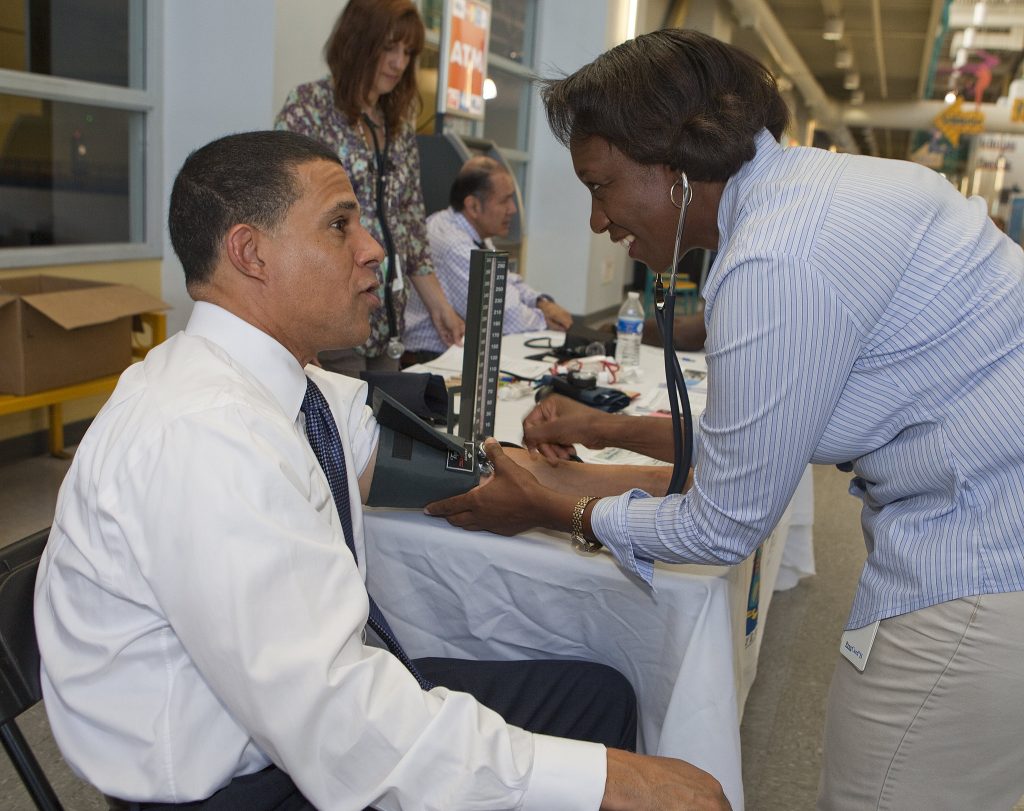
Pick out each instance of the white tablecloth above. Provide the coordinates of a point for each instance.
(688, 647)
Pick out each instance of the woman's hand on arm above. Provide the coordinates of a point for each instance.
(593, 480)
(447, 322)
(557, 422)
(510, 501)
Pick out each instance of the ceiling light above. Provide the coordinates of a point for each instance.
(980, 12)
(950, 97)
(844, 59)
(833, 28)
(851, 81)
(857, 98)
(490, 89)
(968, 40)
(961, 58)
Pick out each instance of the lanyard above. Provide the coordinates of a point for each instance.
(381, 167)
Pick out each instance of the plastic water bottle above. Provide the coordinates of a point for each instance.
(630, 329)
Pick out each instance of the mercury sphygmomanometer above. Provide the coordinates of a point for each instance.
(417, 463)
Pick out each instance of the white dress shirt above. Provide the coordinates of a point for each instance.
(451, 238)
(858, 310)
(200, 616)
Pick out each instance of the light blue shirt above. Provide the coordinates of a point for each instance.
(858, 310)
(451, 238)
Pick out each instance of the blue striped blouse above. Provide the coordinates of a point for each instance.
(858, 310)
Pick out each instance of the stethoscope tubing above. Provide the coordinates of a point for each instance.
(678, 397)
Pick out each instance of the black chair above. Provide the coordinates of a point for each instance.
(19, 661)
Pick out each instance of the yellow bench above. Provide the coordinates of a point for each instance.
(54, 399)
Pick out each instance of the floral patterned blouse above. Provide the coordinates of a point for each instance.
(309, 110)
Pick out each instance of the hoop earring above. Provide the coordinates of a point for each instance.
(686, 198)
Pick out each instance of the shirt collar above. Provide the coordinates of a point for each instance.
(467, 226)
(735, 192)
(254, 350)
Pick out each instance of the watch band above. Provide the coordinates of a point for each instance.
(579, 543)
(543, 297)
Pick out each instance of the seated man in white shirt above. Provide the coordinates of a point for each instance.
(482, 205)
(200, 609)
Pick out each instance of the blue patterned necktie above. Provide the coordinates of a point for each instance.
(322, 433)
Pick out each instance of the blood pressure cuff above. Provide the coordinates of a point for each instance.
(599, 397)
(425, 395)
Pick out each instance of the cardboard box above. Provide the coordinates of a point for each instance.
(56, 331)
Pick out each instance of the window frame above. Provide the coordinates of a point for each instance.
(146, 208)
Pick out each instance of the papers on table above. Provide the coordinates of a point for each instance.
(655, 400)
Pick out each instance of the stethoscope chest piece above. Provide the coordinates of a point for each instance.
(395, 349)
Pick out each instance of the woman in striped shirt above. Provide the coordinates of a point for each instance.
(859, 312)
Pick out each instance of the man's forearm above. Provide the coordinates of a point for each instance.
(650, 436)
(429, 289)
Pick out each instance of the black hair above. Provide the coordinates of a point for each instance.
(474, 178)
(673, 97)
(243, 178)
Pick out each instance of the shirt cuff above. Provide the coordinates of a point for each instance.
(608, 523)
(566, 774)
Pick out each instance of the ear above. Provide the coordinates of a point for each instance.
(472, 206)
(242, 245)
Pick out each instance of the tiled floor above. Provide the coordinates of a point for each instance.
(781, 732)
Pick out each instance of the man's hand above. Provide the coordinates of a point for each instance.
(448, 324)
(446, 321)
(557, 316)
(508, 502)
(557, 422)
(647, 783)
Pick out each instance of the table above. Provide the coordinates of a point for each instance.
(688, 647)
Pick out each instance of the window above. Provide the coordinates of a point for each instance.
(79, 132)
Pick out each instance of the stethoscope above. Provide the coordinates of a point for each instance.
(665, 306)
(395, 348)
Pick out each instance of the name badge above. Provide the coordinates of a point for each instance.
(856, 645)
(397, 282)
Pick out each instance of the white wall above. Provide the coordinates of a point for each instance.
(301, 31)
(585, 273)
(226, 71)
(218, 79)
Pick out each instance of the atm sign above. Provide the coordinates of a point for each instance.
(469, 29)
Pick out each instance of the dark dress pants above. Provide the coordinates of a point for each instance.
(568, 699)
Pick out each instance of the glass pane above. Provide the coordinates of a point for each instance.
(431, 11)
(92, 40)
(65, 173)
(505, 120)
(512, 30)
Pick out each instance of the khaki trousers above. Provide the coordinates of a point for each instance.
(936, 720)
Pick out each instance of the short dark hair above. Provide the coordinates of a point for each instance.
(673, 97)
(244, 178)
(474, 178)
(352, 52)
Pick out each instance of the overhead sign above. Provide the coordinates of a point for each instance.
(955, 121)
(467, 28)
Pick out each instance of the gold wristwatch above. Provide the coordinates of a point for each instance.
(579, 543)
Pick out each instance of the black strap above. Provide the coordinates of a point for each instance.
(381, 168)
